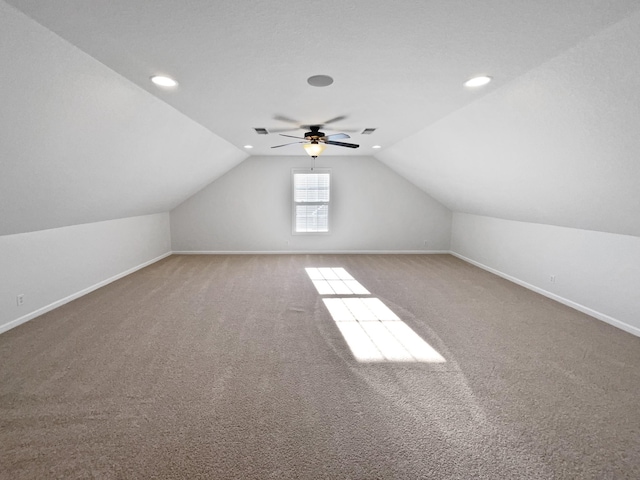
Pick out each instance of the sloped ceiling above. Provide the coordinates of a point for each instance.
(79, 143)
(398, 67)
(559, 145)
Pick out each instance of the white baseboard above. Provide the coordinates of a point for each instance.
(309, 252)
(565, 301)
(58, 303)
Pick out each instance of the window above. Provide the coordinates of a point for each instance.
(311, 195)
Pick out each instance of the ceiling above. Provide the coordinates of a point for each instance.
(553, 139)
(398, 66)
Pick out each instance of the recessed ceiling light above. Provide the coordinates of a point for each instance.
(248, 147)
(164, 81)
(477, 81)
(377, 146)
(320, 81)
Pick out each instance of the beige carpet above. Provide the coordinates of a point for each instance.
(231, 367)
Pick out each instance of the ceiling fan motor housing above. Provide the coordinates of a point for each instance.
(314, 134)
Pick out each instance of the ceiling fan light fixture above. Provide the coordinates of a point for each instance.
(314, 149)
(164, 81)
(477, 81)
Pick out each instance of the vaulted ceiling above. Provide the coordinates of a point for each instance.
(553, 139)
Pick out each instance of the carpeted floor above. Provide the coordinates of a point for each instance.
(220, 367)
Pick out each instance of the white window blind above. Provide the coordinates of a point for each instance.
(311, 196)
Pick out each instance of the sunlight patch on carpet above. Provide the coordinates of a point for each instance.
(373, 332)
(335, 281)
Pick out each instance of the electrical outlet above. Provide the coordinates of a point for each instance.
(20, 299)
(552, 278)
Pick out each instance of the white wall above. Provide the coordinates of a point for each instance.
(596, 272)
(249, 209)
(51, 267)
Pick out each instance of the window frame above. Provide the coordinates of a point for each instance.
(295, 171)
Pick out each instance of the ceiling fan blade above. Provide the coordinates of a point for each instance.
(347, 130)
(284, 118)
(291, 136)
(350, 130)
(341, 144)
(337, 136)
(333, 120)
(285, 144)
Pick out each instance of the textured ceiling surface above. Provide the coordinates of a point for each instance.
(553, 139)
(559, 145)
(398, 65)
(81, 144)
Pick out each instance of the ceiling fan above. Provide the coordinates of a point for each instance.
(315, 141)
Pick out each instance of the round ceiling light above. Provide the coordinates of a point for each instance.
(320, 81)
(248, 147)
(164, 81)
(477, 81)
(377, 146)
